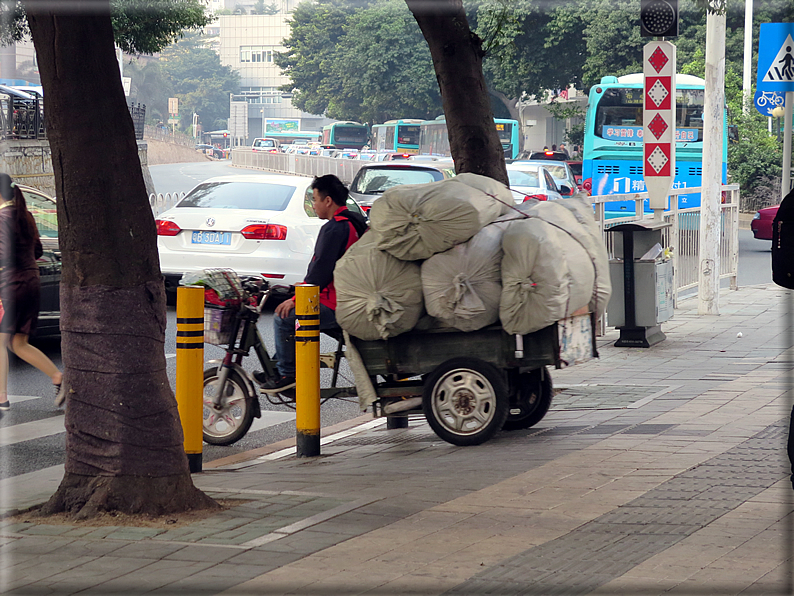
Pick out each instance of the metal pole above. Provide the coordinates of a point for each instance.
(307, 370)
(713, 115)
(786, 186)
(190, 370)
(748, 55)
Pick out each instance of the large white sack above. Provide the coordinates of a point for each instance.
(545, 276)
(416, 221)
(575, 217)
(489, 186)
(463, 285)
(377, 295)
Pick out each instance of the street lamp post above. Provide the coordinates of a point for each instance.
(262, 111)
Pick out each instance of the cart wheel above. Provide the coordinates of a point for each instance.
(465, 401)
(534, 400)
(228, 425)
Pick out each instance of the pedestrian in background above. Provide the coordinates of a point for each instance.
(20, 289)
(564, 149)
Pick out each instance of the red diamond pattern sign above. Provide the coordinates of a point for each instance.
(659, 59)
(658, 126)
(659, 121)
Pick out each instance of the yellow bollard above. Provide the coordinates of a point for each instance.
(190, 370)
(307, 370)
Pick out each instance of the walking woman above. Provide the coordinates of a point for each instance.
(20, 287)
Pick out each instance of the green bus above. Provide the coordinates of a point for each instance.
(345, 135)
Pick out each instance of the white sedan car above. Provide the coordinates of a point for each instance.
(533, 181)
(259, 224)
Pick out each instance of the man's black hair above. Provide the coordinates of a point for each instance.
(331, 186)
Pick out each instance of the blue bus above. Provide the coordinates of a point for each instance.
(346, 135)
(401, 136)
(434, 140)
(613, 152)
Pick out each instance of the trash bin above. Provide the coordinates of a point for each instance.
(642, 284)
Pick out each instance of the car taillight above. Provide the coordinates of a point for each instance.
(538, 197)
(264, 232)
(166, 227)
(273, 275)
(366, 208)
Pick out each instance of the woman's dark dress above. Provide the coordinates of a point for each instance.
(20, 285)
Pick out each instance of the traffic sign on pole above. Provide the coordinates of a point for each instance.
(658, 117)
(776, 57)
(767, 101)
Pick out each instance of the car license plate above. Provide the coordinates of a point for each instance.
(212, 238)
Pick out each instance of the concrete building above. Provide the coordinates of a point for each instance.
(248, 44)
(541, 128)
(18, 63)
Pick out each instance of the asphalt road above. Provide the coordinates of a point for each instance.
(40, 442)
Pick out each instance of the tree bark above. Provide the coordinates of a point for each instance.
(124, 443)
(457, 58)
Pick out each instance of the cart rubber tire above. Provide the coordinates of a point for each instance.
(458, 388)
(243, 418)
(534, 400)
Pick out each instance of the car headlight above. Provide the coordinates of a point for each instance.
(757, 215)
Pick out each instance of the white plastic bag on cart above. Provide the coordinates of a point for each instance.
(546, 276)
(463, 285)
(364, 387)
(377, 295)
(416, 221)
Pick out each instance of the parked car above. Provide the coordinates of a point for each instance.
(266, 144)
(576, 168)
(209, 150)
(532, 182)
(374, 178)
(258, 224)
(761, 225)
(560, 171)
(45, 213)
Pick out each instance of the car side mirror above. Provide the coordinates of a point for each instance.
(566, 190)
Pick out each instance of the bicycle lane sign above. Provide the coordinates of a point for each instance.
(776, 57)
(766, 101)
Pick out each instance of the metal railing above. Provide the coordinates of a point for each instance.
(162, 202)
(683, 236)
(138, 114)
(21, 119)
(302, 165)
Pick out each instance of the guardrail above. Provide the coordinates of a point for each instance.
(162, 202)
(302, 165)
(683, 236)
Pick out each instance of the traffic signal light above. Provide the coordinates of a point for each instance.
(659, 18)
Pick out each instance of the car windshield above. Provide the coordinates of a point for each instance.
(557, 172)
(264, 143)
(523, 178)
(239, 195)
(371, 181)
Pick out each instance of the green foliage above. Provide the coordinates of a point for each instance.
(198, 79)
(366, 62)
(261, 8)
(140, 26)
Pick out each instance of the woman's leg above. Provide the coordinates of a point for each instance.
(35, 357)
(5, 342)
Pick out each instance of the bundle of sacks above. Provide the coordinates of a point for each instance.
(462, 251)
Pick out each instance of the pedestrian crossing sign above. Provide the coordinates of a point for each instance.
(776, 57)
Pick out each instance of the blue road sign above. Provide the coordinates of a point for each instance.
(766, 101)
(776, 57)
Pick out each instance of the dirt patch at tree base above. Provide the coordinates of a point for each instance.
(171, 520)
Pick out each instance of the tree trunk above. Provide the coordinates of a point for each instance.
(124, 444)
(457, 58)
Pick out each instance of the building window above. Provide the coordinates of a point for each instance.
(257, 53)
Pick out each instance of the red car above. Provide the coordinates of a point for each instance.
(762, 223)
(576, 168)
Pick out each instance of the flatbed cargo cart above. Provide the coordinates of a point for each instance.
(469, 385)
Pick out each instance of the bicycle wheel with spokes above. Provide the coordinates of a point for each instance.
(228, 424)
